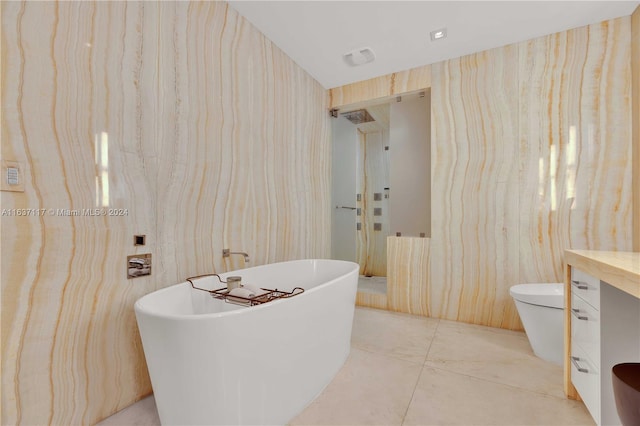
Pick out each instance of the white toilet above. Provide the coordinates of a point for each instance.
(541, 310)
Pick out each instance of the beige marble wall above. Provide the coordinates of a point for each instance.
(531, 154)
(525, 167)
(183, 114)
(474, 236)
(371, 300)
(575, 150)
(379, 88)
(408, 263)
(635, 67)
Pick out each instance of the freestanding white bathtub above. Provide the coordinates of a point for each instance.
(213, 362)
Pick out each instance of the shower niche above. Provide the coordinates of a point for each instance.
(381, 180)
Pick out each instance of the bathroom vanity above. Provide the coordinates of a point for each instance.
(602, 325)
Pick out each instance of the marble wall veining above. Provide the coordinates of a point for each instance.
(182, 115)
(407, 278)
(386, 86)
(575, 146)
(474, 228)
(531, 154)
(371, 300)
(528, 166)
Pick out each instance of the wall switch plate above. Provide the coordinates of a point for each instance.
(12, 176)
(138, 265)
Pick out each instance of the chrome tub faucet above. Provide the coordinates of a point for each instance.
(227, 253)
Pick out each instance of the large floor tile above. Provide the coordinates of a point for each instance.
(473, 375)
(142, 413)
(446, 398)
(493, 354)
(398, 335)
(371, 389)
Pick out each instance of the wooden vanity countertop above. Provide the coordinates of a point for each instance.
(620, 269)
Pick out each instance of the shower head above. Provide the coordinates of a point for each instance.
(358, 117)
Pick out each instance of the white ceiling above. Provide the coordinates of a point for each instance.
(315, 34)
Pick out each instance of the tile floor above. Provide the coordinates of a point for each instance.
(410, 370)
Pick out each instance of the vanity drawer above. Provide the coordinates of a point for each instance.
(585, 327)
(586, 286)
(585, 376)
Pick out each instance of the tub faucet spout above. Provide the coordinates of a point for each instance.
(227, 253)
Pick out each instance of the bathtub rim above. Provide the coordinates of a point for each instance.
(138, 308)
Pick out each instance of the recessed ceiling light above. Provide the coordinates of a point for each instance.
(438, 34)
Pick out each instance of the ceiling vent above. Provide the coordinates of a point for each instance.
(358, 117)
(359, 56)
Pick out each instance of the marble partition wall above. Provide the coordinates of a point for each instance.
(179, 113)
(407, 278)
(371, 300)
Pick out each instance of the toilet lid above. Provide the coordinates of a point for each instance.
(541, 294)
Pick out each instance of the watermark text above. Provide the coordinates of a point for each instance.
(66, 212)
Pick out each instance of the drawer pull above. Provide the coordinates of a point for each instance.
(580, 285)
(576, 313)
(575, 360)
